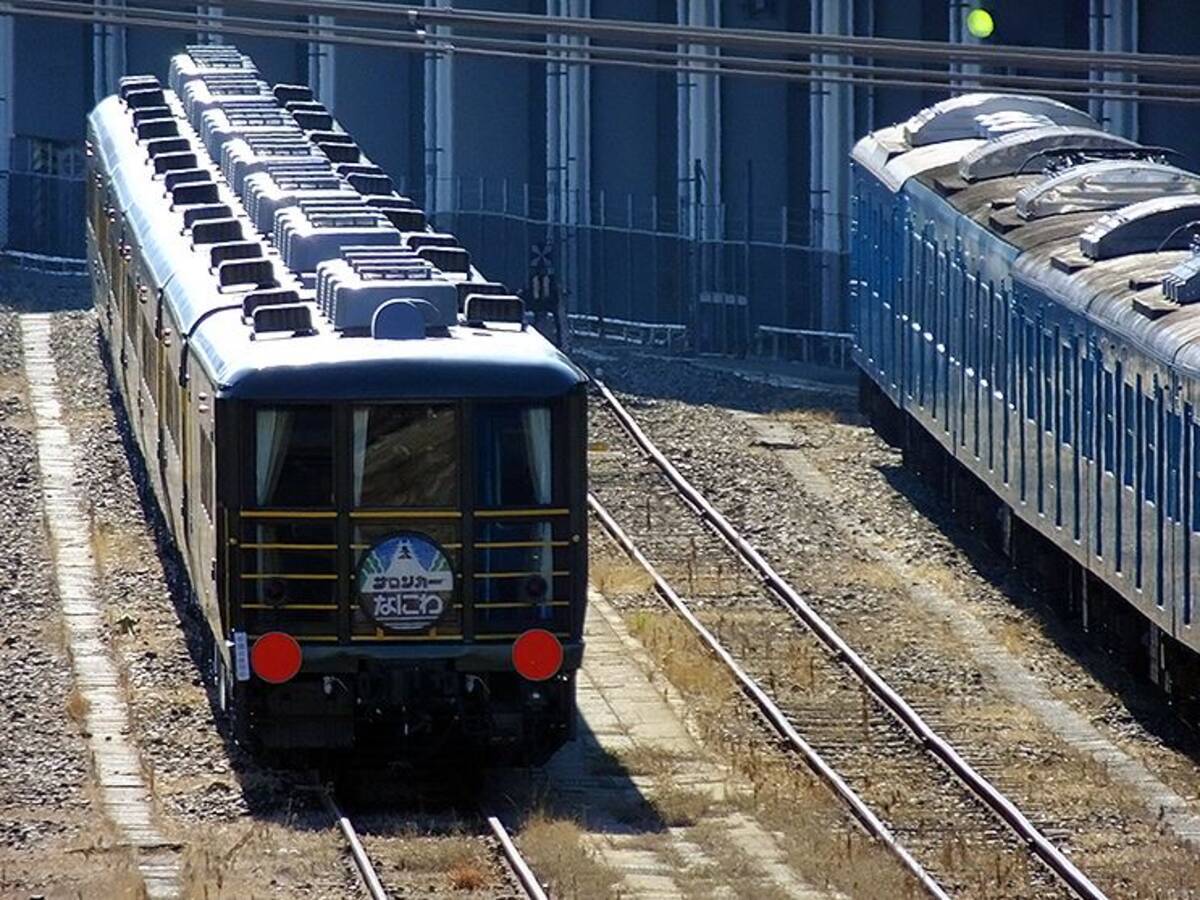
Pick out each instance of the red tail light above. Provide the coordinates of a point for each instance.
(276, 657)
(537, 655)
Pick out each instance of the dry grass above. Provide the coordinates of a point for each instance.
(679, 807)
(77, 708)
(442, 853)
(618, 577)
(870, 574)
(117, 549)
(466, 876)
(556, 850)
(937, 577)
(657, 761)
(816, 416)
(820, 843)
(237, 862)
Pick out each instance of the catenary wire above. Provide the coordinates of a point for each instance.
(937, 79)
(314, 33)
(758, 39)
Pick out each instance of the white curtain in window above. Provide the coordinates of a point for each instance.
(274, 428)
(536, 425)
(361, 421)
(536, 422)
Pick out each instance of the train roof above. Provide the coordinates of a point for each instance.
(1100, 223)
(290, 265)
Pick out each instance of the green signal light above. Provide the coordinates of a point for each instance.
(979, 23)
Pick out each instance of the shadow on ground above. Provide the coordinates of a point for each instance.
(1138, 698)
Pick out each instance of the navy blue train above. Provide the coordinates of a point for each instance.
(373, 472)
(1022, 290)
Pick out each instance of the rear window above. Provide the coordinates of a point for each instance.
(513, 456)
(405, 456)
(293, 459)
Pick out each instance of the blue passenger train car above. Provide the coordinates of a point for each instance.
(373, 471)
(1022, 290)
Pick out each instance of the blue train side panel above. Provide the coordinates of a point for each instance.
(1021, 294)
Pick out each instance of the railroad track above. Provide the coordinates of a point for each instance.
(883, 758)
(521, 871)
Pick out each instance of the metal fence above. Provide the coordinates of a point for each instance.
(690, 277)
(42, 195)
(736, 285)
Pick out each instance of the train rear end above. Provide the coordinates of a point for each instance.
(407, 578)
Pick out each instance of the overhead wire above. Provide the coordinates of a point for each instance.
(759, 39)
(572, 54)
(937, 80)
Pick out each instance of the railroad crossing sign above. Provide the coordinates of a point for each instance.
(541, 257)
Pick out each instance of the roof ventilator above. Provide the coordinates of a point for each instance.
(403, 320)
(194, 214)
(232, 250)
(170, 162)
(193, 194)
(483, 308)
(271, 297)
(146, 113)
(146, 96)
(1102, 185)
(173, 179)
(447, 259)
(468, 288)
(156, 128)
(236, 273)
(1150, 226)
(295, 318)
(217, 231)
(1182, 284)
(157, 147)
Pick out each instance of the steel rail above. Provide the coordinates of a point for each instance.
(529, 884)
(310, 32)
(362, 862)
(862, 813)
(934, 743)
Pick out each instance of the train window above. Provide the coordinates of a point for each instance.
(1049, 365)
(1066, 426)
(1127, 460)
(150, 361)
(206, 473)
(513, 454)
(1087, 406)
(1110, 428)
(171, 405)
(131, 305)
(405, 455)
(1149, 455)
(1030, 372)
(1172, 439)
(1196, 478)
(293, 456)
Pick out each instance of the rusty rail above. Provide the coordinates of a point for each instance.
(934, 743)
(529, 884)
